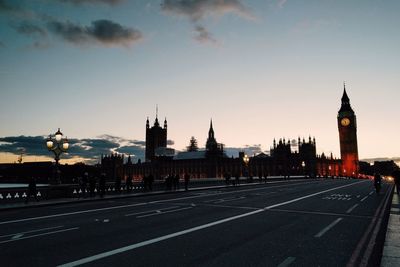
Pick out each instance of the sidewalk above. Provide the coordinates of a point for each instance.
(391, 249)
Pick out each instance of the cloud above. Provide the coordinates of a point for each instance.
(198, 9)
(80, 2)
(89, 149)
(103, 32)
(170, 142)
(28, 28)
(14, 10)
(248, 149)
(203, 36)
(281, 3)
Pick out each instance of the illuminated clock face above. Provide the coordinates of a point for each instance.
(345, 121)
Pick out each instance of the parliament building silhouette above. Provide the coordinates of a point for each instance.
(287, 157)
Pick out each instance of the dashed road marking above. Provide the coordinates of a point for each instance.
(352, 208)
(326, 229)
(287, 262)
(43, 234)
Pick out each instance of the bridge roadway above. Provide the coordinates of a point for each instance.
(290, 223)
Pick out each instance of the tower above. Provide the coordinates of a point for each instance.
(347, 125)
(156, 137)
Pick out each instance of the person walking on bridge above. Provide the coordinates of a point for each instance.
(396, 177)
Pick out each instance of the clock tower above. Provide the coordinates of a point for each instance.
(347, 125)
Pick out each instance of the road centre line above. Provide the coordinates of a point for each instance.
(32, 231)
(72, 213)
(186, 231)
(32, 236)
(150, 211)
(326, 229)
(352, 208)
(287, 262)
(364, 198)
(163, 212)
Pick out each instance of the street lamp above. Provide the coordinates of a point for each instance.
(303, 165)
(57, 145)
(330, 168)
(246, 160)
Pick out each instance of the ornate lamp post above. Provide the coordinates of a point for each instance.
(57, 145)
(330, 170)
(303, 165)
(246, 160)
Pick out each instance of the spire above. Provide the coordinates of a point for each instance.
(345, 98)
(345, 101)
(147, 123)
(211, 131)
(165, 123)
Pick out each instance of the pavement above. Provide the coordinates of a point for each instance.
(391, 249)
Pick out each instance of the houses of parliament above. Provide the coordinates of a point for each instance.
(286, 158)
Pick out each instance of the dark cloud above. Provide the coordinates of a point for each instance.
(80, 2)
(88, 149)
(28, 28)
(203, 36)
(198, 9)
(170, 142)
(104, 32)
(249, 150)
(13, 9)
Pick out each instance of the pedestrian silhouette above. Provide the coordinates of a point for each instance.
(32, 191)
(102, 184)
(396, 177)
(187, 178)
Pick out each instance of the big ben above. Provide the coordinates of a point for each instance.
(347, 125)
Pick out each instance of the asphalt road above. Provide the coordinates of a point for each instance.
(295, 223)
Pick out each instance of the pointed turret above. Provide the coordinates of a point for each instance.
(147, 123)
(165, 123)
(211, 131)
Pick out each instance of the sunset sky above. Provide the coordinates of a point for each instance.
(260, 69)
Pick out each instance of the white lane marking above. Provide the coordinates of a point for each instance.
(17, 236)
(364, 198)
(371, 192)
(311, 195)
(32, 236)
(184, 232)
(287, 262)
(231, 207)
(32, 231)
(227, 200)
(231, 192)
(156, 240)
(150, 211)
(146, 203)
(330, 226)
(72, 213)
(163, 212)
(352, 208)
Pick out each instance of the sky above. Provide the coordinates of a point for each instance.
(260, 69)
